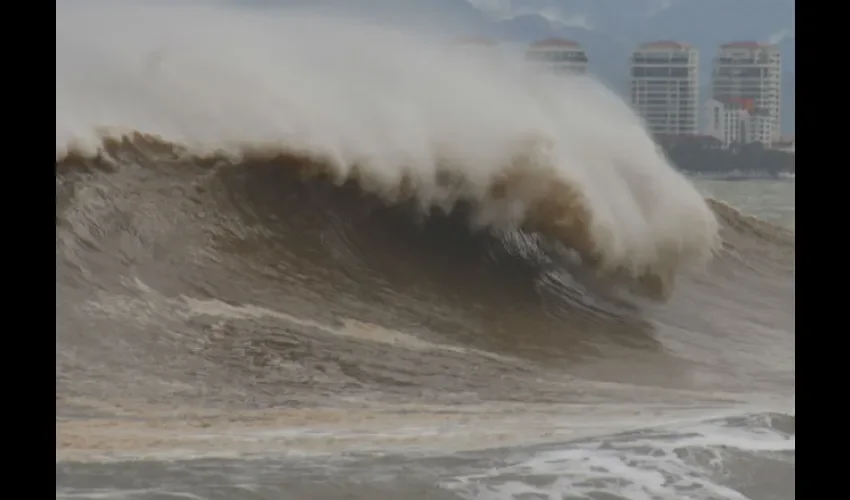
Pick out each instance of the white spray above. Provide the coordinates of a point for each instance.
(214, 78)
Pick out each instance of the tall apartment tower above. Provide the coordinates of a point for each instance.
(558, 55)
(665, 87)
(748, 75)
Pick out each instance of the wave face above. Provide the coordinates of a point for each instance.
(279, 220)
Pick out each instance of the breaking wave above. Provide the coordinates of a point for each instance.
(405, 119)
(280, 233)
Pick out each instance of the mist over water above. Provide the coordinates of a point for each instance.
(290, 244)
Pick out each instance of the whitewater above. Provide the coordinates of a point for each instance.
(304, 255)
(565, 156)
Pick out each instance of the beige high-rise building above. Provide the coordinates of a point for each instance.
(558, 55)
(748, 75)
(665, 87)
(729, 124)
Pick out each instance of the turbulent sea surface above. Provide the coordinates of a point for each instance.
(301, 257)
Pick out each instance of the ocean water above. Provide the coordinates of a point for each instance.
(293, 266)
(769, 200)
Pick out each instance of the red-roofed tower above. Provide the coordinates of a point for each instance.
(751, 72)
(559, 55)
(665, 87)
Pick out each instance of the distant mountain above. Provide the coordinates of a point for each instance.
(608, 29)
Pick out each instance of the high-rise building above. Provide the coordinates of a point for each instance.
(665, 87)
(728, 124)
(558, 55)
(748, 75)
